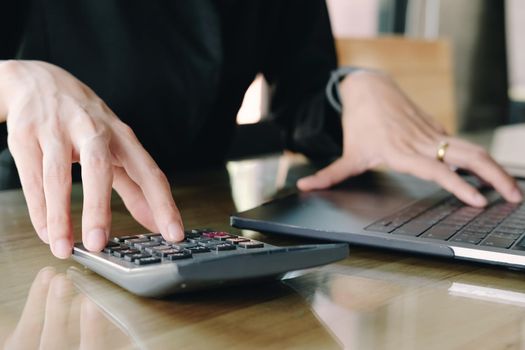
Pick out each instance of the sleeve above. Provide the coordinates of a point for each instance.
(11, 30)
(297, 66)
(12, 26)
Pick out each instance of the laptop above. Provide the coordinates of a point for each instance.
(395, 211)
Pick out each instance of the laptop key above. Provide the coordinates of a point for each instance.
(507, 229)
(508, 235)
(380, 228)
(441, 232)
(465, 238)
(413, 228)
(498, 242)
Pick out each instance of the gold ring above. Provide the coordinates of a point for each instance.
(442, 150)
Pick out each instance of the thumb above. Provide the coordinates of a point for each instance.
(329, 176)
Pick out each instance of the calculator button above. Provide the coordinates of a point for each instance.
(198, 249)
(165, 252)
(133, 241)
(122, 253)
(179, 255)
(145, 245)
(224, 246)
(133, 257)
(216, 234)
(150, 235)
(110, 250)
(192, 234)
(209, 243)
(109, 246)
(200, 231)
(199, 240)
(123, 238)
(251, 244)
(146, 261)
(159, 248)
(184, 245)
(237, 240)
(158, 239)
(222, 237)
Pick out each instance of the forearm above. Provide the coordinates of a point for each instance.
(3, 107)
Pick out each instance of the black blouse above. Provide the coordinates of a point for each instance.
(176, 70)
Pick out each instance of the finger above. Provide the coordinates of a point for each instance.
(143, 170)
(28, 329)
(475, 159)
(432, 170)
(333, 174)
(133, 199)
(97, 180)
(28, 159)
(58, 304)
(57, 189)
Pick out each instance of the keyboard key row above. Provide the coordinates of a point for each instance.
(152, 248)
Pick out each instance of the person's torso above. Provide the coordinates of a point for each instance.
(175, 71)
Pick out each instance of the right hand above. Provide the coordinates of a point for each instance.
(53, 120)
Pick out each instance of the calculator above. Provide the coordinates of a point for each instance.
(148, 265)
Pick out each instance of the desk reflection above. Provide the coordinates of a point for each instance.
(378, 309)
(359, 308)
(57, 316)
(81, 310)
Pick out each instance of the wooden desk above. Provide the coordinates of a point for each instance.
(373, 300)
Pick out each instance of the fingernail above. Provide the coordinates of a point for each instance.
(516, 195)
(304, 182)
(61, 248)
(174, 232)
(43, 235)
(479, 200)
(96, 239)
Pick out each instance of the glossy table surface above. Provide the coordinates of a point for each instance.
(375, 299)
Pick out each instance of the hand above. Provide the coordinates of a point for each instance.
(381, 126)
(54, 120)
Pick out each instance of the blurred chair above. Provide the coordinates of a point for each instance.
(422, 68)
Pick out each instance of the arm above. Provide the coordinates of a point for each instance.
(379, 124)
(297, 66)
(3, 108)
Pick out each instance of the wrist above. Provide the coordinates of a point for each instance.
(356, 85)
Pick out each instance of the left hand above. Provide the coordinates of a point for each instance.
(381, 126)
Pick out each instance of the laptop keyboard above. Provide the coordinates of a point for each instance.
(500, 224)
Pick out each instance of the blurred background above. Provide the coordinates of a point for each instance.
(486, 52)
